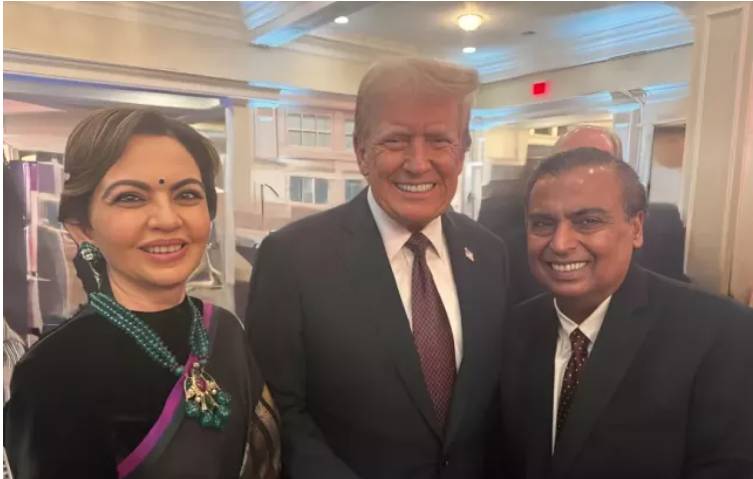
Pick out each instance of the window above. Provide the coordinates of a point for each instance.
(309, 130)
(305, 189)
(349, 127)
(542, 131)
(352, 188)
(549, 132)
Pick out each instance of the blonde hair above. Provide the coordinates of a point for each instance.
(416, 76)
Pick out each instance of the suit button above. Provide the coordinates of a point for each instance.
(445, 461)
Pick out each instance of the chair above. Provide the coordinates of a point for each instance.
(663, 248)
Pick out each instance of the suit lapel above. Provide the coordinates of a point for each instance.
(621, 335)
(378, 300)
(538, 396)
(468, 285)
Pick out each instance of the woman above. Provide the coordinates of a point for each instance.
(144, 381)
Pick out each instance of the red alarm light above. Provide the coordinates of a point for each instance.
(540, 88)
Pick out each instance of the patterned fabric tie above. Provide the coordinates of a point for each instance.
(432, 334)
(579, 343)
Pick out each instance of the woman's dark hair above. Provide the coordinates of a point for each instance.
(98, 142)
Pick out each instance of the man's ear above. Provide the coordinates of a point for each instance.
(467, 140)
(78, 233)
(636, 226)
(360, 150)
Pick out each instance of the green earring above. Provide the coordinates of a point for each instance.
(92, 255)
(89, 252)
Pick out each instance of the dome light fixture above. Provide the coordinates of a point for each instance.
(342, 20)
(469, 50)
(470, 21)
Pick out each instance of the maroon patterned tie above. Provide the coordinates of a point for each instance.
(579, 343)
(431, 330)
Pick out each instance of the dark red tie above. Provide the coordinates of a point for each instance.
(432, 334)
(579, 343)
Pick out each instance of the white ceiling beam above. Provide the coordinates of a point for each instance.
(63, 92)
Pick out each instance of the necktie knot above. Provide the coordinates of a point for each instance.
(418, 243)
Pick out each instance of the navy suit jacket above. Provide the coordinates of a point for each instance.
(667, 391)
(333, 341)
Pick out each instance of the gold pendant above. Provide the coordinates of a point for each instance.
(205, 401)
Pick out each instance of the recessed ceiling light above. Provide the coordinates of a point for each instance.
(469, 50)
(470, 21)
(341, 20)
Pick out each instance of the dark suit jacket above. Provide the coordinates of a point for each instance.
(334, 343)
(666, 393)
(504, 215)
(15, 269)
(663, 248)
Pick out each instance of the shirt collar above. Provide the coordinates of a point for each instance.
(590, 326)
(394, 235)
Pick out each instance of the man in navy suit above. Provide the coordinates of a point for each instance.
(618, 372)
(378, 323)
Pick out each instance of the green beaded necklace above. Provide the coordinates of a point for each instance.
(204, 400)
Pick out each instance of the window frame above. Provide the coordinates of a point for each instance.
(314, 185)
(348, 145)
(299, 130)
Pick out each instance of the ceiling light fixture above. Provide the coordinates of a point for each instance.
(341, 20)
(469, 50)
(470, 21)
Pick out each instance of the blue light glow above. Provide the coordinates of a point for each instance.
(613, 17)
(256, 14)
(666, 91)
(263, 103)
(280, 37)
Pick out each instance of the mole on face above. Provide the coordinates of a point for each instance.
(161, 181)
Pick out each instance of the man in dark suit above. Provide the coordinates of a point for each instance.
(503, 213)
(618, 372)
(663, 248)
(378, 323)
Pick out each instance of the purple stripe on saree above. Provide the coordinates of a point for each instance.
(174, 401)
(206, 316)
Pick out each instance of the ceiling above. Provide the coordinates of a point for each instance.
(516, 38)
(430, 28)
(40, 114)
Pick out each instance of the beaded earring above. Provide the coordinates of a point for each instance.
(92, 256)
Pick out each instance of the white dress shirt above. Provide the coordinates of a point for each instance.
(394, 236)
(590, 327)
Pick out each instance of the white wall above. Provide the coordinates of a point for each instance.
(505, 145)
(665, 66)
(718, 152)
(51, 31)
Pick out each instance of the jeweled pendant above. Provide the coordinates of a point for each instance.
(205, 401)
(192, 409)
